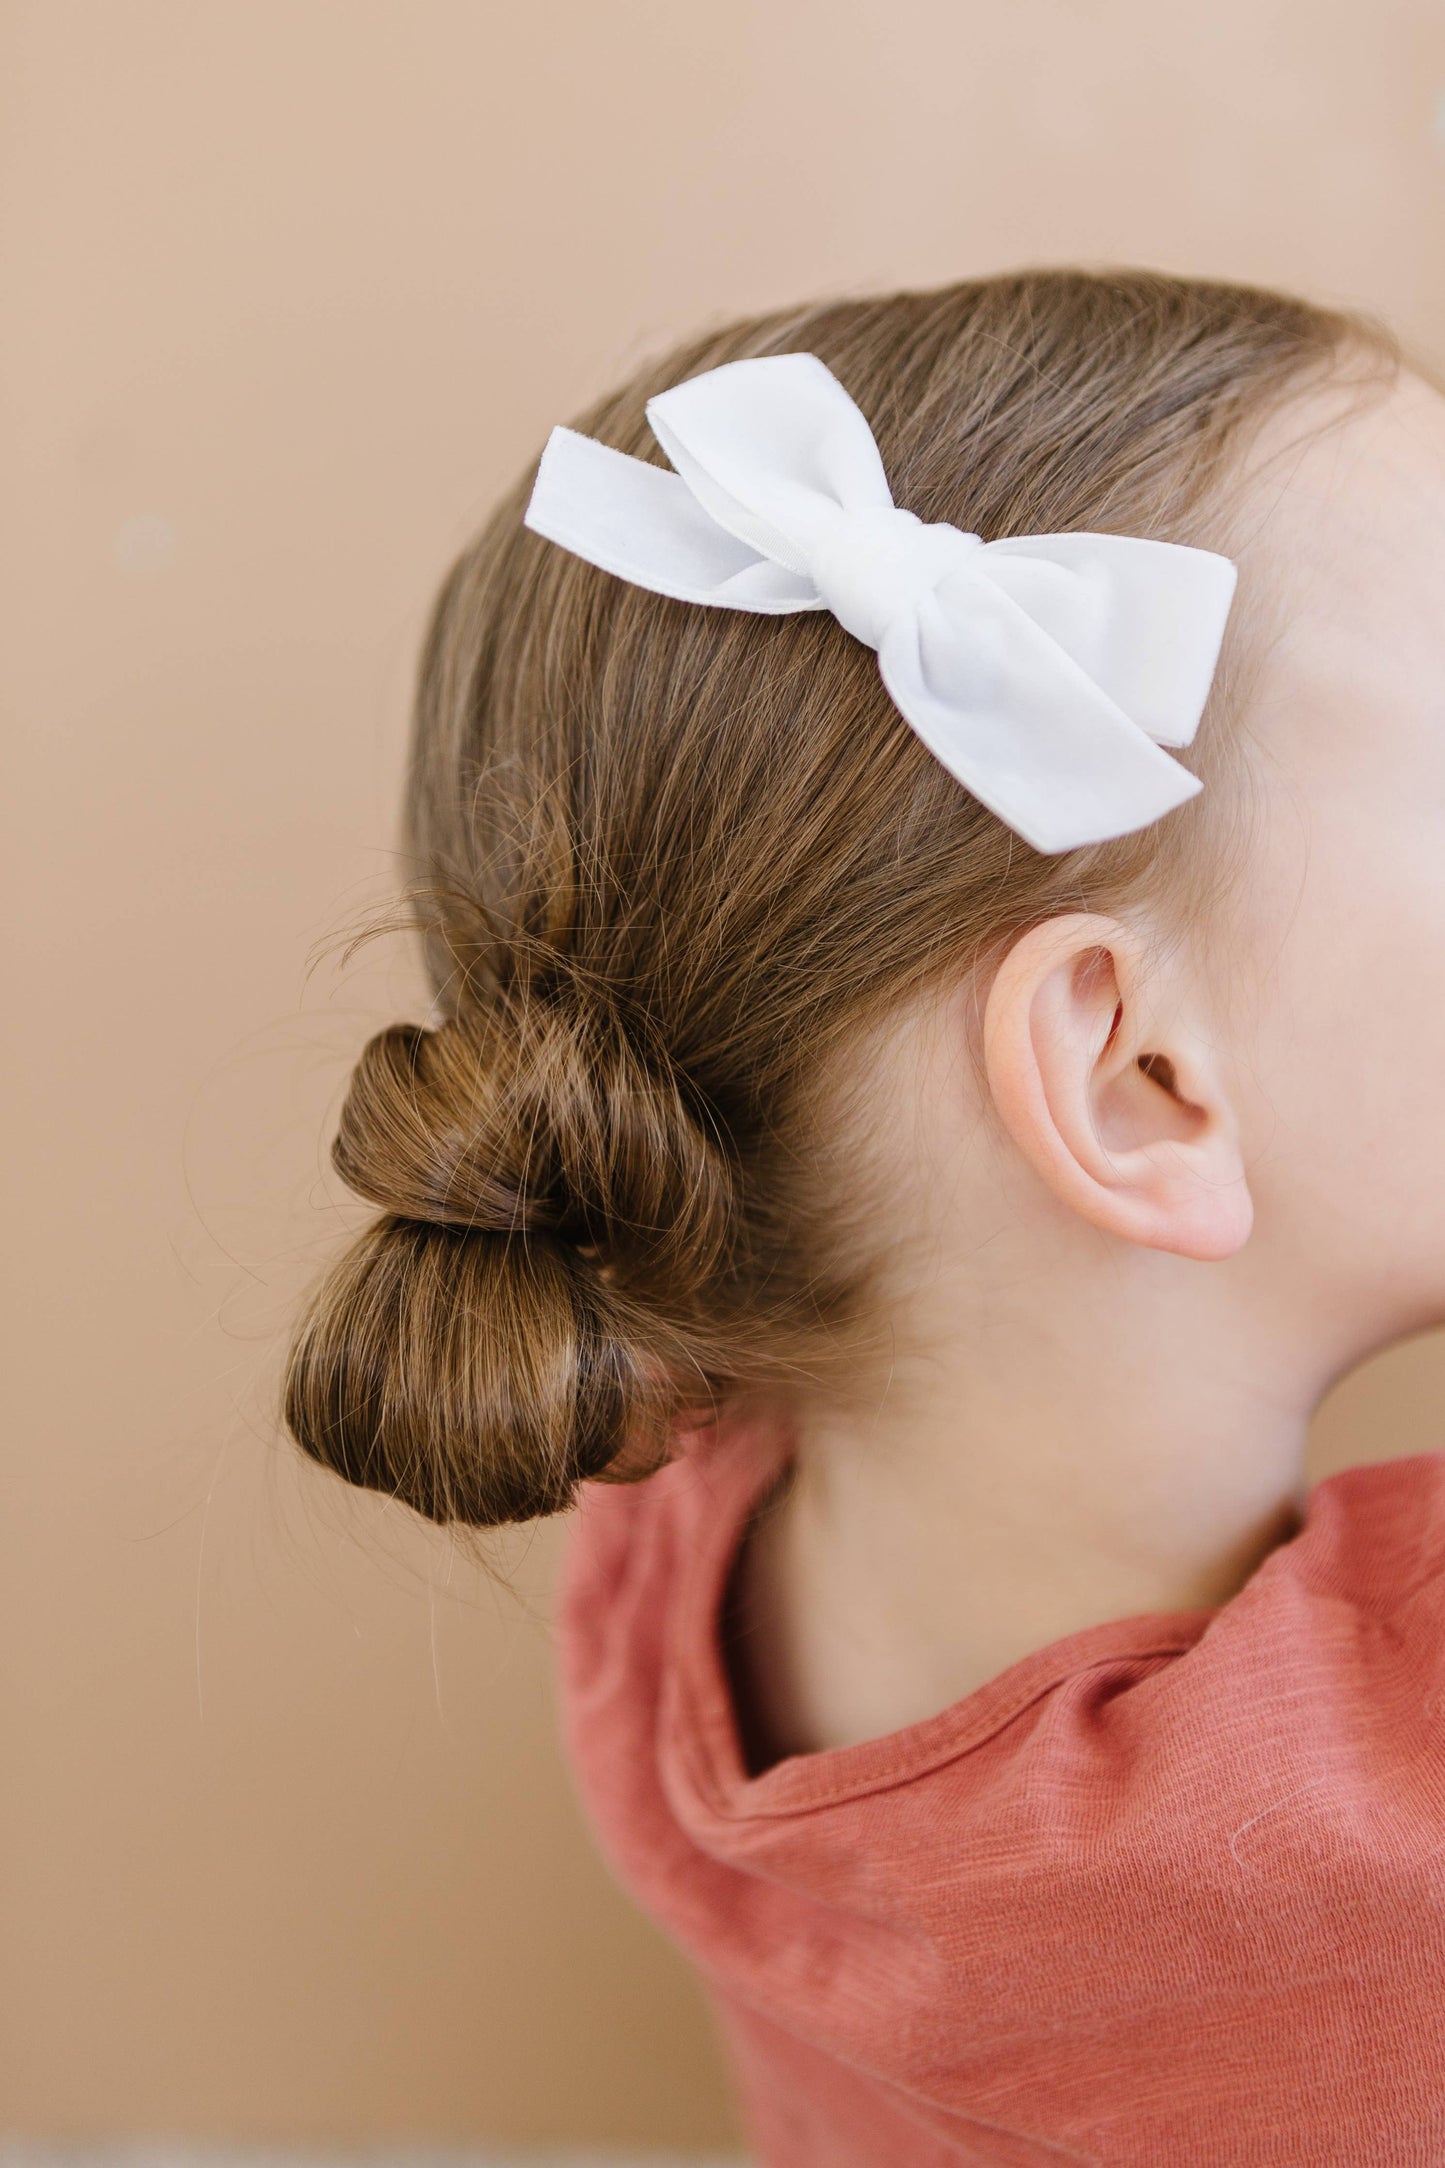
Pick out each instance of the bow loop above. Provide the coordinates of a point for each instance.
(1048, 681)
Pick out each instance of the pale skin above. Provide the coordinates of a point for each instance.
(1123, 1288)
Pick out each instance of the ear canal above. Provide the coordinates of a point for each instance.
(1161, 1068)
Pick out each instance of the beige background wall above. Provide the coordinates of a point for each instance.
(290, 288)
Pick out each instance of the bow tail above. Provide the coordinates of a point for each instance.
(644, 524)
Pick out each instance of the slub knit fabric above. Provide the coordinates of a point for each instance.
(1167, 1893)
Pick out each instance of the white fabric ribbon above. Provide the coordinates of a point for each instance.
(1046, 672)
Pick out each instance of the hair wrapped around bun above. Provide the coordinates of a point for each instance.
(550, 1206)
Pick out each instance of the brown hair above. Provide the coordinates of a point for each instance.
(672, 864)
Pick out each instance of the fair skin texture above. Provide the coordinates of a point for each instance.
(1121, 1291)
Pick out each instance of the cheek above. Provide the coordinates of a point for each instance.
(1345, 1103)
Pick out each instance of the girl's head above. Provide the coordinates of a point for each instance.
(753, 1021)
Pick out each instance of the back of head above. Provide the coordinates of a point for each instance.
(674, 864)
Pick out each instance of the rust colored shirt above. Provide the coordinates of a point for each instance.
(1168, 1893)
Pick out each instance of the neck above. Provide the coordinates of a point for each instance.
(1132, 1442)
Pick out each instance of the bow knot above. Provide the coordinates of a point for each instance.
(874, 565)
(1048, 682)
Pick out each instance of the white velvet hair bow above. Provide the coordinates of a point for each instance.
(1046, 672)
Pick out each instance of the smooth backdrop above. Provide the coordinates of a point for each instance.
(291, 288)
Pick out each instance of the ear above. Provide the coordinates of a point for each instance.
(1121, 1109)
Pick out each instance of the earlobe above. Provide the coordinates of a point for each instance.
(1126, 1120)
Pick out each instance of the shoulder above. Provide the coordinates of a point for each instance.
(1375, 1533)
(1342, 1629)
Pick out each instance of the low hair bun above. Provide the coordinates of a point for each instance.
(539, 1115)
(552, 1208)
